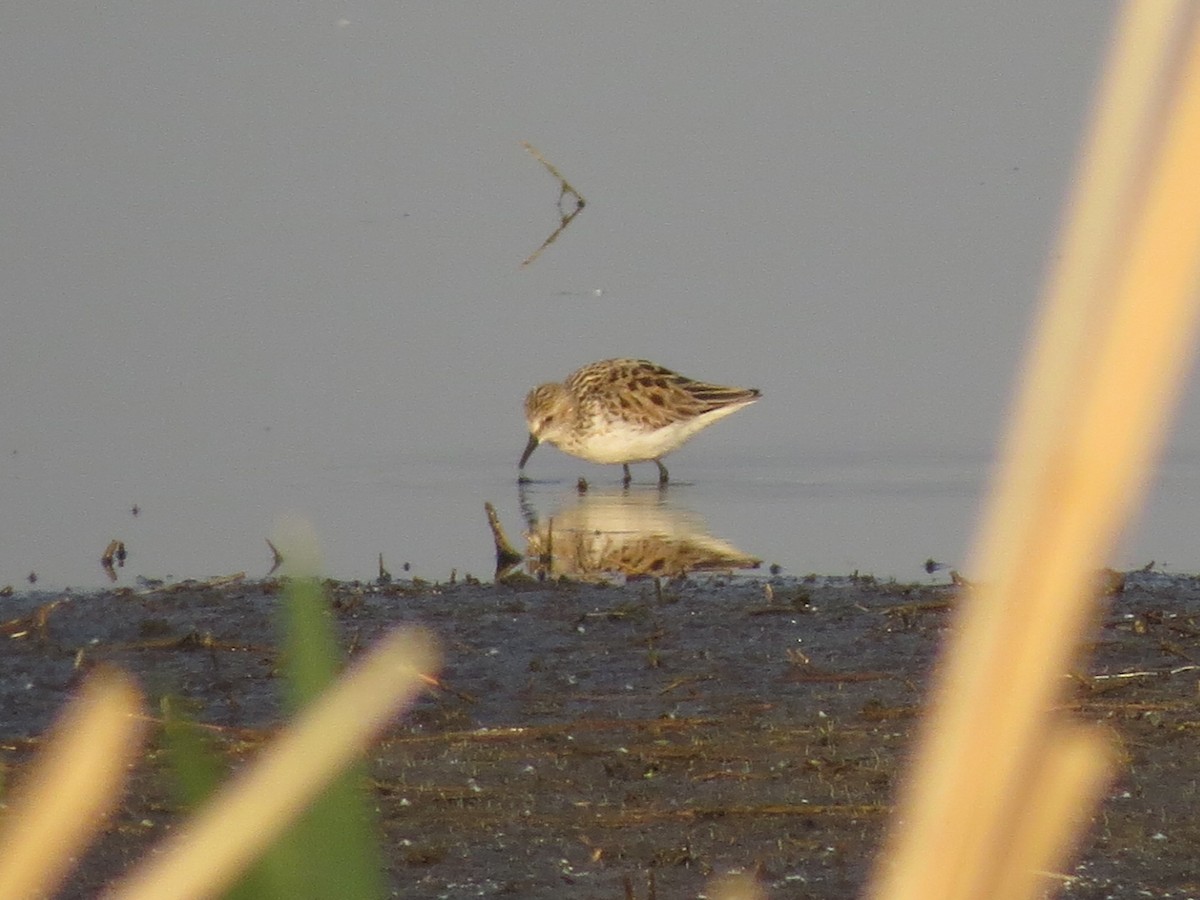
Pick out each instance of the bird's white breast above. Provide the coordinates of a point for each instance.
(619, 441)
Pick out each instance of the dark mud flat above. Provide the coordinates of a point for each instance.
(592, 737)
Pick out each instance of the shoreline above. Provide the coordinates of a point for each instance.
(590, 733)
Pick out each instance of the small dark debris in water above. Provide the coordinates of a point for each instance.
(31, 578)
(406, 567)
(114, 550)
(121, 555)
(135, 510)
(1148, 567)
(581, 486)
(775, 568)
(932, 565)
(276, 558)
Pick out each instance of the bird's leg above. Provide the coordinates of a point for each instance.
(662, 473)
(628, 478)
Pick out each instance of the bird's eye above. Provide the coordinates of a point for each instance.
(547, 420)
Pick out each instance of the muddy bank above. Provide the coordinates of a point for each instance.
(590, 734)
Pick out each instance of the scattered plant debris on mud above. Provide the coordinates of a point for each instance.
(581, 738)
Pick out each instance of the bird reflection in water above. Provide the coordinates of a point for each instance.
(632, 533)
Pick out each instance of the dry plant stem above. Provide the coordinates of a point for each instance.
(216, 845)
(564, 188)
(73, 784)
(1090, 420)
(1122, 421)
(1078, 764)
(553, 170)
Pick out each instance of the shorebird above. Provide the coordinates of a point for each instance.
(626, 410)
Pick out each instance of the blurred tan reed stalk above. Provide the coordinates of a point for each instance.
(213, 847)
(78, 777)
(1002, 785)
(73, 784)
(742, 886)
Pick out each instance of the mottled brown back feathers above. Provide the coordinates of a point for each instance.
(673, 397)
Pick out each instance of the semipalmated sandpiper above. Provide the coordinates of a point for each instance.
(626, 410)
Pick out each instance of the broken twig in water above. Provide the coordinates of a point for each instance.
(564, 188)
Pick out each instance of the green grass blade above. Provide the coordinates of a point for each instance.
(335, 844)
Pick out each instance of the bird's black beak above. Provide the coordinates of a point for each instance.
(529, 448)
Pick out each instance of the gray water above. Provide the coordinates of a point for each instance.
(261, 262)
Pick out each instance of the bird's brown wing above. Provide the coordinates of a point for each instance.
(650, 394)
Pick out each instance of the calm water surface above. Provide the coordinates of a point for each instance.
(213, 516)
(262, 262)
